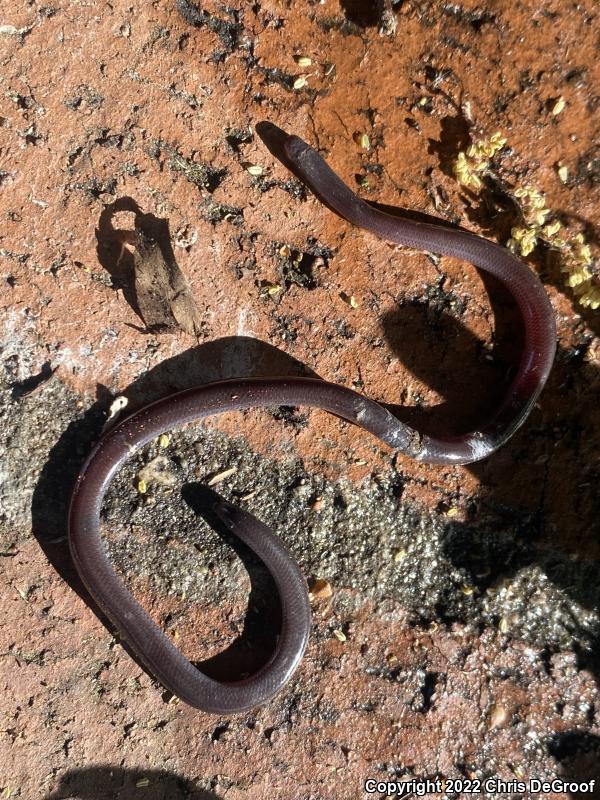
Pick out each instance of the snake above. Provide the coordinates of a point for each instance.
(149, 644)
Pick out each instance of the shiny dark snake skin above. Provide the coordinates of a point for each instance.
(153, 648)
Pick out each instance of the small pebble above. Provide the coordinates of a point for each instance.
(321, 589)
(563, 173)
(498, 717)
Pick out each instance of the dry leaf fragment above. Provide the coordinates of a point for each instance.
(118, 404)
(157, 471)
(10, 30)
(163, 295)
(221, 476)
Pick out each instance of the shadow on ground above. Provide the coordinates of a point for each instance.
(116, 783)
(255, 645)
(578, 753)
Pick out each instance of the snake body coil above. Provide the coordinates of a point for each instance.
(147, 641)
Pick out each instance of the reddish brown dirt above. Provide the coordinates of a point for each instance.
(103, 102)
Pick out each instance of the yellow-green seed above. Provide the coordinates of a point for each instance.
(540, 216)
(362, 140)
(163, 440)
(300, 82)
(303, 61)
(552, 229)
(558, 106)
(349, 299)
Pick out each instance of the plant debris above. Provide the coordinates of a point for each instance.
(221, 476)
(576, 256)
(164, 298)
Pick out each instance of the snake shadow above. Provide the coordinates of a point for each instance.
(221, 359)
(364, 13)
(116, 783)
(578, 753)
(427, 335)
(262, 622)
